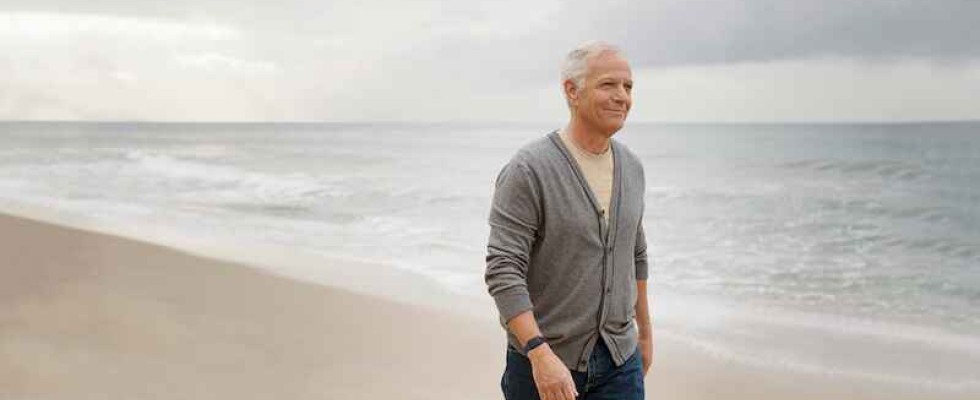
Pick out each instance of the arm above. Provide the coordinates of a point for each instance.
(642, 306)
(644, 324)
(514, 220)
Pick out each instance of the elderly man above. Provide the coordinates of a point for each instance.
(566, 258)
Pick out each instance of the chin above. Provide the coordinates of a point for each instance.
(612, 127)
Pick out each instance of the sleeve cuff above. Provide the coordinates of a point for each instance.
(513, 302)
(642, 270)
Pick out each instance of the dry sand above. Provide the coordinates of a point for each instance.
(90, 316)
(86, 315)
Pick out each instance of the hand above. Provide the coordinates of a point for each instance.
(551, 376)
(645, 348)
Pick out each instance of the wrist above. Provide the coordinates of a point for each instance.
(533, 342)
(539, 352)
(645, 331)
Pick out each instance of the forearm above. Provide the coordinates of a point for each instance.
(642, 309)
(524, 327)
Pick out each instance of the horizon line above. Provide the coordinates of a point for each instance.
(487, 122)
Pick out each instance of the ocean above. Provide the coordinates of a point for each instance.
(873, 224)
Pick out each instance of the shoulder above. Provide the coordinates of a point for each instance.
(629, 159)
(536, 153)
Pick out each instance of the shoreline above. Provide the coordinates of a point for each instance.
(358, 276)
(91, 314)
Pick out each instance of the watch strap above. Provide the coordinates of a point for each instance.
(533, 343)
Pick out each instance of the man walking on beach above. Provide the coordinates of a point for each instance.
(566, 257)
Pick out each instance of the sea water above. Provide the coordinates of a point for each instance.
(862, 222)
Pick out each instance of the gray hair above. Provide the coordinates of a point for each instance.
(576, 64)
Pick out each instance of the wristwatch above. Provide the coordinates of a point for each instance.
(533, 343)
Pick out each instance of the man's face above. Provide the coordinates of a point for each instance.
(606, 95)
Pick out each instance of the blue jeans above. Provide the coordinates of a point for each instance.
(602, 381)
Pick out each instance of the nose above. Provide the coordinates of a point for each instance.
(620, 95)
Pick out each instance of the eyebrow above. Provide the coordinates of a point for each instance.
(626, 81)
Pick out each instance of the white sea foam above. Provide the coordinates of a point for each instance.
(207, 183)
(820, 343)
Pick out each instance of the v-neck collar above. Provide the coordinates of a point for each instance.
(604, 227)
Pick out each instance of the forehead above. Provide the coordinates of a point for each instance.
(609, 65)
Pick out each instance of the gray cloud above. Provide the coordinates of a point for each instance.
(311, 59)
(709, 32)
(656, 33)
(692, 32)
(699, 32)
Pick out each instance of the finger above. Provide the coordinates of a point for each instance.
(558, 393)
(568, 393)
(571, 386)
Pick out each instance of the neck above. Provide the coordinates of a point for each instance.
(586, 138)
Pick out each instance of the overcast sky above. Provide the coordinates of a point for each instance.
(456, 60)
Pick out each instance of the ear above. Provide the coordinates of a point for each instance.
(571, 91)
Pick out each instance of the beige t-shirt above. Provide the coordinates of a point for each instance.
(597, 168)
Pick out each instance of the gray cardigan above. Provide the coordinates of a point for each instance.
(551, 250)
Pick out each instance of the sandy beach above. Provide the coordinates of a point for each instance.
(90, 316)
(86, 315)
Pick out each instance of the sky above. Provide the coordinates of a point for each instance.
(485, 61)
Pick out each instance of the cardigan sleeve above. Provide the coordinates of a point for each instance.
(514, 221)
(640, 249)
(640, 253)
